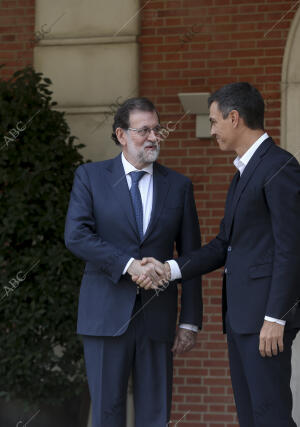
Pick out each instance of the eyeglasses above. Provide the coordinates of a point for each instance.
(145, 131)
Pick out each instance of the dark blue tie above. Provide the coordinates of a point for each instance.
(137, 200)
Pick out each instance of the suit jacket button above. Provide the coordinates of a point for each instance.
(229, 249)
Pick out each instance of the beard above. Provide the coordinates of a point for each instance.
(142, 154)
(149, 156)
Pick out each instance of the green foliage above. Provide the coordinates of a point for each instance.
(40, 354)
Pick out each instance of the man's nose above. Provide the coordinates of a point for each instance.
(152, 136)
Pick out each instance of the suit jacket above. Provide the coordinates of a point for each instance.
(101, 230)
(258, 242)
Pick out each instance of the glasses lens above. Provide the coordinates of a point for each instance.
(157, 130)
(144, 131)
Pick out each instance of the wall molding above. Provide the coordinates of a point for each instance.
(80, 41)
(286, 81)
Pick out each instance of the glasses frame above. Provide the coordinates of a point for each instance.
(149, 130)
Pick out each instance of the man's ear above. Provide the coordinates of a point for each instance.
(234, 116)
(122, 137)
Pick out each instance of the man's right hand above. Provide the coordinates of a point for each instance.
(144, 281)
(153, 272)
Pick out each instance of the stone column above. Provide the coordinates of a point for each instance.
(290, 134)
(89, 49)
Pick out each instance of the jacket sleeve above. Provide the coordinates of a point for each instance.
(205, 259)
(282, 190)
(188, 239)
(80, 231)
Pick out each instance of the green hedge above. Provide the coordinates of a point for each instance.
(40, 354)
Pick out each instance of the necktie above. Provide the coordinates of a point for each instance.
(137, 200)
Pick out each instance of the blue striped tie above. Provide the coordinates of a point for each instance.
(137, 200)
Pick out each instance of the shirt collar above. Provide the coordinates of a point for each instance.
(241, 162)
(128, 167)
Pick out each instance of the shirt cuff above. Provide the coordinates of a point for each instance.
(193, 328)
(175, 270)
(272, 319)
(127, 266)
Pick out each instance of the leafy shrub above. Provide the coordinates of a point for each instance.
(40, 354)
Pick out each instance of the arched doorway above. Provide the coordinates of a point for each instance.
(290, 140)
(290, 91)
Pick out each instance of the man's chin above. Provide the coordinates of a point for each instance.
(151, 156)
(222, 146)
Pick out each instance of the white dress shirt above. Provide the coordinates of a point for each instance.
(146, 189)
(240, 163)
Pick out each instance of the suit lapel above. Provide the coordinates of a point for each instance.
(229, 202)
(120, 190)
(243, 181)
(160, 190)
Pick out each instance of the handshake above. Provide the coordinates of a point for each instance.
(149, 273)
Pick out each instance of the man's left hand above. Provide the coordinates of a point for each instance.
(145, 282)
(184, 341)
(271, 339)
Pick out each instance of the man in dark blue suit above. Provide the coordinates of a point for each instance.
(259, 244)
(120, 211)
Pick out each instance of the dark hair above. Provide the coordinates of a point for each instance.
(121, 119)
(244, 98)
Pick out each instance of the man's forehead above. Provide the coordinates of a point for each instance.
(143, 117)
(214, 111)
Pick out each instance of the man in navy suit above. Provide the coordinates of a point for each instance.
(120, 211)
(259, 244)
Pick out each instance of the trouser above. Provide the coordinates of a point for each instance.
(109, 362)
(261, 385)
